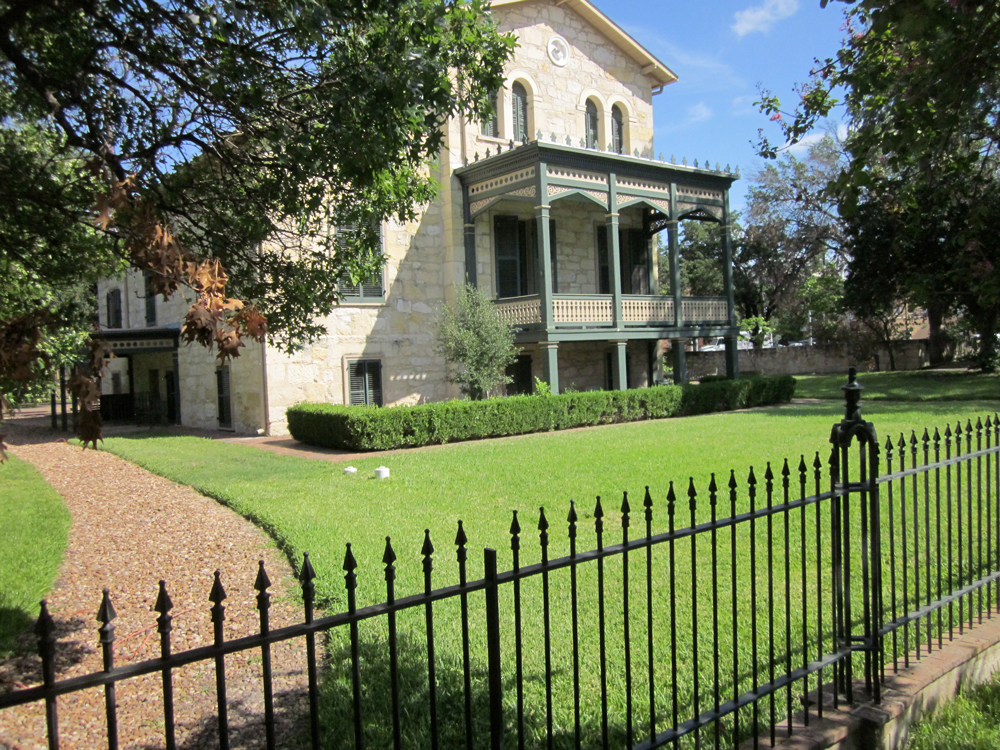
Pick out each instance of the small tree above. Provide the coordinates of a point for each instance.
(473, 339)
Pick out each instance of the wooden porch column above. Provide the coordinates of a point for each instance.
(550, 364)
(619, 368)
(543, 230)
(732, 351)
(614, 251)
(673, 245)
(471, 272)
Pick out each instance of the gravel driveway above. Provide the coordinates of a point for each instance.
(130, 529)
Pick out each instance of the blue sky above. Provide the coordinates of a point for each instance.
(720, 50)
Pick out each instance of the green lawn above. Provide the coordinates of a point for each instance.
(917, 385)
(32, 542)
(312, 506)
(970, 721)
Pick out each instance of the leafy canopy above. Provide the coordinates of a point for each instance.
(240, 132)
(921, 83)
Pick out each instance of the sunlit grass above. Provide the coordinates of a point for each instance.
(310, 505)
(911, 385)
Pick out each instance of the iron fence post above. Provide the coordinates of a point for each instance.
(493, 648)
(844, 432)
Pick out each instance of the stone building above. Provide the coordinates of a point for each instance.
(552, 206)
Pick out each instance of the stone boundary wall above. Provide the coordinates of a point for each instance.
(805, 360)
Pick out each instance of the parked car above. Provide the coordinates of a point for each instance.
(719, 344)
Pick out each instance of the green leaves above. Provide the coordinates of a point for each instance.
(249, 131)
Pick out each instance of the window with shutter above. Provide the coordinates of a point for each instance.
(365, 386)
(371, 289)
(591, 124)
(491, 126)
(633, 252)
(617, 130)
(519, 98)
(113, 305)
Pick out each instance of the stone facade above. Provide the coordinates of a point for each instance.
(562, 60)
(806, 360)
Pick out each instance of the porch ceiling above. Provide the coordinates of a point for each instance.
(542, 173)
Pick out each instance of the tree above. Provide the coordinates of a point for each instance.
(921, 81)
(217, 144)
(790, 232)
(473, 338)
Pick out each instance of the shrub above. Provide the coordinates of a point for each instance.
(371, 428)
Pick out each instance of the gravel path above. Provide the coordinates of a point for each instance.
(131, 529)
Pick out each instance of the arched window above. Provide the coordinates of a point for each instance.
(591, 124)
(617, 130)
(491, 125)
(519, 120)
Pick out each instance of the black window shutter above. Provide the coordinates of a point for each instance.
(356, 375)
(113, 303)
(603, 268)
(373, 382)
(638, 261)
(617, 127)
(491, 125)
(519, 97)
(552, 252)
(507, 252)
(591, 124)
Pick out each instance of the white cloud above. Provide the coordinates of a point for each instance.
(762, 17)
(801, 149)
(695, 70)
(744, 105)
(697, 113)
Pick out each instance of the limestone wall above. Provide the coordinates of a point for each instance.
(804, 360)
(557, 94)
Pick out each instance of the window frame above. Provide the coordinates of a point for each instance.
(363, 291)
(377, 397)
(519, 106)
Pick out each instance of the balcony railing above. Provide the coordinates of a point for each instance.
(597, 310)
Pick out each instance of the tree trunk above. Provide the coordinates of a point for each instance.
(937, 342)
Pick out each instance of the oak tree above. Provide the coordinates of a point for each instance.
(217, 143)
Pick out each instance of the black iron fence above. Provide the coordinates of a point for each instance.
(758, 598)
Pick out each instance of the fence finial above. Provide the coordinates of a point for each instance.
(515, 526)
(389, 555)
(460, 538)
(626, 508)
(163, 604)
(106, 613)
(852, 396)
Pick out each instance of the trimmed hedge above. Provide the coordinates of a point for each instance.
(372, 428)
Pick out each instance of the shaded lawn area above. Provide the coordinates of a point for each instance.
(913, 385)
(33, 539)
